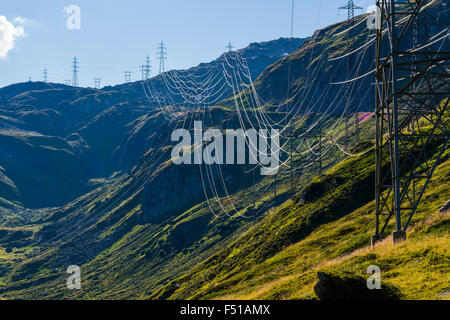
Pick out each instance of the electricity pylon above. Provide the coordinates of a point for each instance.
(148, 68)
(45, 75)
(411, 85)
(162, 56)
(229, 47)
(75, 68)
(350, 7)
(143, 72)
(127, 76)
(97, 83)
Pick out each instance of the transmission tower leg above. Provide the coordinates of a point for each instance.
(398, 236)
(375, 239)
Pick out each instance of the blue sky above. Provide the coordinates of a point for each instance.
(117, 35)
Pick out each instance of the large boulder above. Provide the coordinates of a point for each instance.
(445, 208)
(344, 286)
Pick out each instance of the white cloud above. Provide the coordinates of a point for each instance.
(29, 23)
(20, 20)
(9, 33)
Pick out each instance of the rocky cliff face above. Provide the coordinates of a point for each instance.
(174, 188)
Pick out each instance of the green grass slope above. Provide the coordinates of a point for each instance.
(122, 254)
(274, 252)
(279, 258)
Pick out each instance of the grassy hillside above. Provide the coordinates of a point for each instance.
(419, 267)
(107, 230)
(327, 227)
(275, 252)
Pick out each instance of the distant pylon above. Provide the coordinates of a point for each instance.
(67, 82)
(350, 7)
(97, 83)
(148, 68)
(229, 47)
(143, 72)
(75, 72)
(162, 57)
(45, 75)
(127, 76)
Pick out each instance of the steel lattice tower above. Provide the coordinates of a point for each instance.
(148, 68)
(127, 76)
(162, 56)
(412, 85)
(75, 72)
(45, 75)
(143, 72)
(350, 7)
(229, 47)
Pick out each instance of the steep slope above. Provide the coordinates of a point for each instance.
(192, 253)
(279, 258)
(116, 228)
